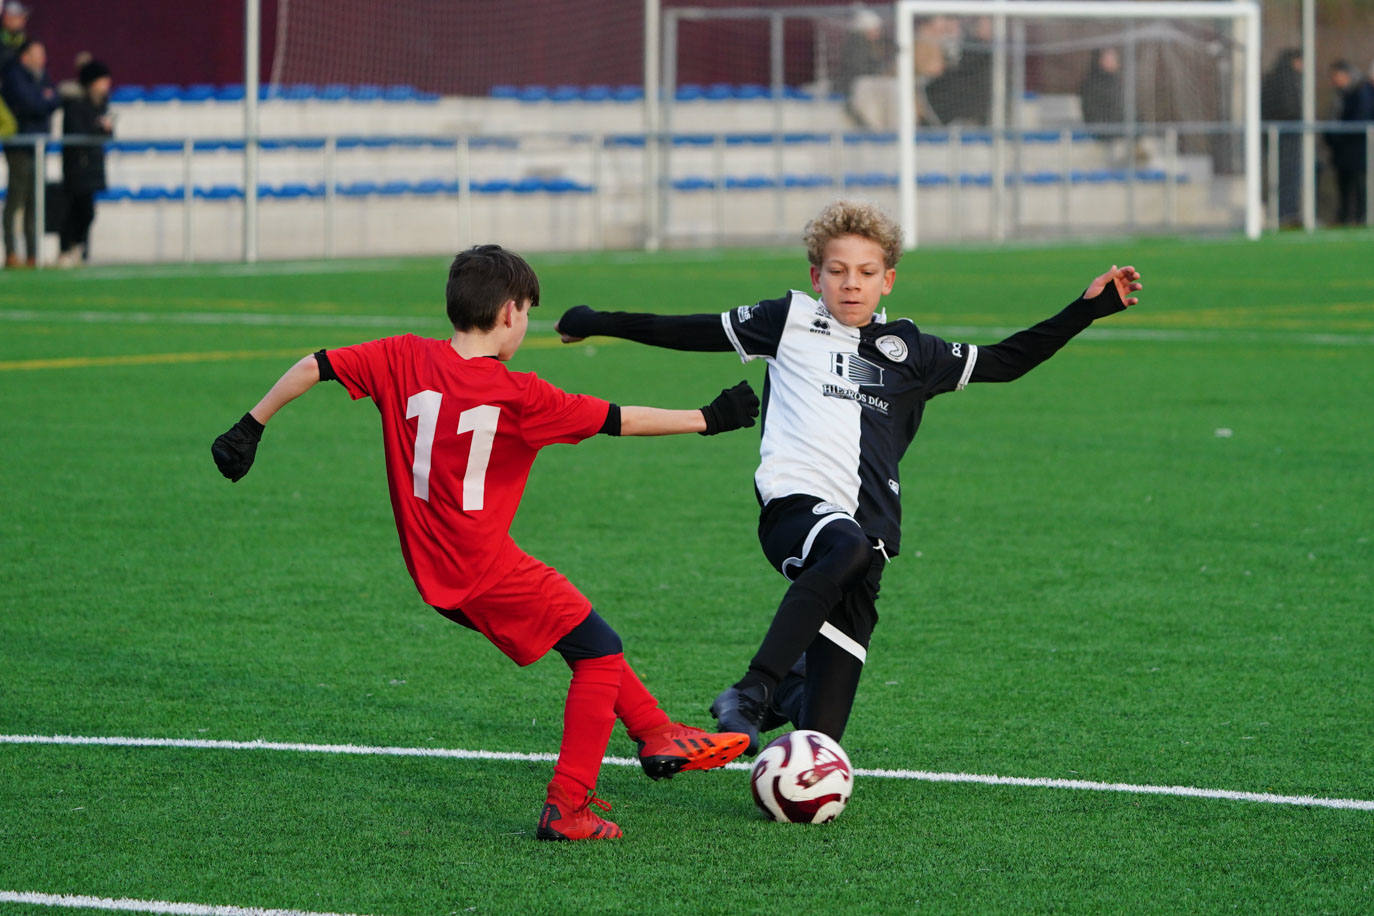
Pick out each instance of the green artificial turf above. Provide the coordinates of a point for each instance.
(1147, 562)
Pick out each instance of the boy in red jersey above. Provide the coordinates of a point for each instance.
(459, 433)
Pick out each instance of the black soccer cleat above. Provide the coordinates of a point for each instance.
(787, 700)
(741, 710)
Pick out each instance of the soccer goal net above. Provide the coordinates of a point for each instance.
(1025, 119)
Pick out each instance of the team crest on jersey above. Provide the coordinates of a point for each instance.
(744, 313)
(891, 346)
(856, 369)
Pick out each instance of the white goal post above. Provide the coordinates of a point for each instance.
(1245, 13)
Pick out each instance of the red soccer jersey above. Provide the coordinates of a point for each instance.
(460, 436)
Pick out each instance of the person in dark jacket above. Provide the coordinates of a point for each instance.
(1102, 93)
(86, 122)
(1353, 104)
(32, 99)
(1281, 100)
(14, 21)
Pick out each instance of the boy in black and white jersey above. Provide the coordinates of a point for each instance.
(844, 395)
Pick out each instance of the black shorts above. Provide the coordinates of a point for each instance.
(794, 532)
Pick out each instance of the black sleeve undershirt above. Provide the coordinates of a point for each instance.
(701, 333)
(1023, 351)
(612, 425)
(326, 370)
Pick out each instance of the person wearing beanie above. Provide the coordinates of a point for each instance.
(71, 87)
(86, 123)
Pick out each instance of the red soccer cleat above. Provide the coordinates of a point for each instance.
(565, 817)
(674, 746)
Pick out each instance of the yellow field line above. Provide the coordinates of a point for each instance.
(154, 359)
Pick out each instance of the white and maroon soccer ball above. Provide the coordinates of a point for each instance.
(803, 777)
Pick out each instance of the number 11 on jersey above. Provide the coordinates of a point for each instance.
(480, 421)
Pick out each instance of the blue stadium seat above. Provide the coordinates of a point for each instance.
(357, 188)
(689, 92)
(365, 93)
(504, 91)
(807, 181)
(869, 179)
(232, 92)
(298, 92)
(219, 192)
(491, 142)
(123, 95)
(751, 92)
(752, 139)
(200, 92)
(166, 92)
(693, 183)
(565, 94)
(333, 92)
(628, 94)
(596, 94)
(749, 182)
(719, 92)
(534, 94)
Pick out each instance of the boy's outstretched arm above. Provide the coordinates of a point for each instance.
(235, 449)
(703, 333)
(733, 408)
(1023, 351)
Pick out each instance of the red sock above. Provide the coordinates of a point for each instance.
(588, 716)
(636, 706)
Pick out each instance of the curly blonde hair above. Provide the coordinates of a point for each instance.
(850, 217)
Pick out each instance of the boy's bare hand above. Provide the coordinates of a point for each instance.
(1127, 280)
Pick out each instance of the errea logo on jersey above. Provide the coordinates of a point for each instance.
(744, 313)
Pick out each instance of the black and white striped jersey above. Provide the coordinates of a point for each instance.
(840, 404)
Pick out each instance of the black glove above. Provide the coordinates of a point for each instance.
(234, 451)
(577, 321)
(733, 408)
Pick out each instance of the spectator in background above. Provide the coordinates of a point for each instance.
(1281, 100)
(936, 41)
(1353, 104)
(962, 94)
(1102, 93)
(32, 99)
(14, 20)
(864, 74)
(71, 88)
(88, 119)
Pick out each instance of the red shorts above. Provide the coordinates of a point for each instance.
(523, 607)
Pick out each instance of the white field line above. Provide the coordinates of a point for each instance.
(272, 319)
(1312, 801)
(127, 905)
